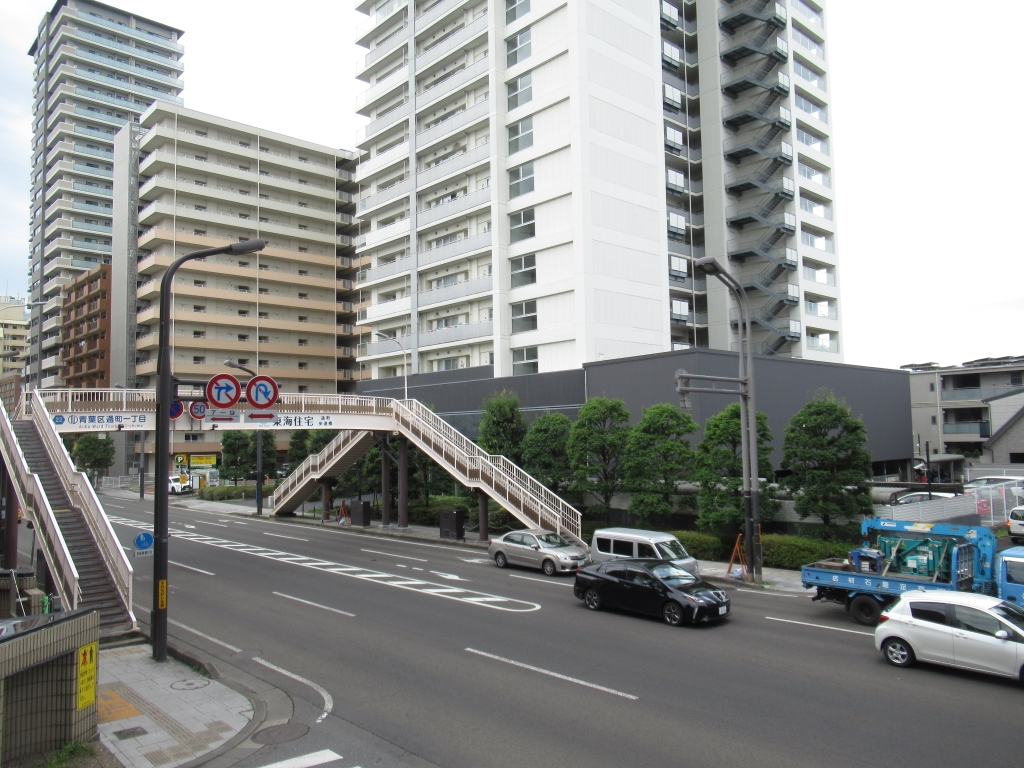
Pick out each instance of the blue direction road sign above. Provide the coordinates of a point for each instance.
(177, 409)
(144, 540)
(223, 390)
(261, 392)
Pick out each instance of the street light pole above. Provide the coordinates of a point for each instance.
(405, 362)
(259, 446)
(748, 415)
(165, 391)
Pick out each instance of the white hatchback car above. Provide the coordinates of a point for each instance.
(1015, 525)
(958, 629)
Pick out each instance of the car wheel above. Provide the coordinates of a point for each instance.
(898, 652)
(592, 599)
(673, 614)
(549, 568)
(500, 560)
(866, 610)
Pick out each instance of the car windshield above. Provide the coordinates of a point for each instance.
(671, 550)
(551, 540)
(673, 575)
(1014, 614)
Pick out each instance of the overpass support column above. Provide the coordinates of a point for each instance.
(325, 502)
(483, 502)
(403, 483)
(385, 490)
(11, 523)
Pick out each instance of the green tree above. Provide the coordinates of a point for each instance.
(298, 449)
(824, 450)
(718, 469)
(545, 451)
(658, 457)
(238, 455)
(503, 427)
(93, 454)
(319, 438)
(596, 443)
(269, 455)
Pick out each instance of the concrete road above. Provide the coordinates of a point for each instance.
(444, 659)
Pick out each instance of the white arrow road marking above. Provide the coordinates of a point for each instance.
(449, 576)
(189, 526)
(475, 559)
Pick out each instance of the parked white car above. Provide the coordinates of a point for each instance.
(1015, 524)
(957, 629)
(175, 486)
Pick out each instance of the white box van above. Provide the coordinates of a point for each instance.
(612, 543)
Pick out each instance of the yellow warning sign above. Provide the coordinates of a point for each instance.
(163, 594)
(202, 460)
(87, 675)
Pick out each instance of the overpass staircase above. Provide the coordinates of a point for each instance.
(87, 565)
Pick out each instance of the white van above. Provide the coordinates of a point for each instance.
(612, 543)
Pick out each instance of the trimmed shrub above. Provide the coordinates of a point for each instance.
(431, 516)
(703, 546)
(794, 552)
(227, 492)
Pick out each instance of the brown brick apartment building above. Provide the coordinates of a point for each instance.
(85, 330)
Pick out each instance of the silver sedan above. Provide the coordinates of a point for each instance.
(545, 550)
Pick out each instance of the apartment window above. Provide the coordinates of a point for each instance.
(264, 339)
(675, 180)
(197, 360)
(199, 283)
(266, 316)
(193, 437)
(303, 319)
(816, 207)
(242, 288)
(674, 140)
(520, 135)
(812, 108)
(520, 91)
(263, 291)
(303, 342)
(198, 308)
(816, 175)
(303, 272)
(303, 389)
(243, 313)
(524, 316)
(444, 282)
(449, 364)
(819, 242)
(1017, 379)
(520, 180)
(198, 334)
(200, 207)
(521, 225)
(812, 140)
(264, 220)
(446, 240)
(303, 366)
(678, 266)
(671, 54)
(303, 295)
(515, 9)
(198, 231)
(303, 249)
(671, 97)
(810, 75)
(243, 337)
(263, 364)
(680, 309)
(931, 386)
(676, 223)
(447, 322)
(808, 43)
(813, 15)
(524, 361)
(934, 420)
(517, 47)
(524, 270)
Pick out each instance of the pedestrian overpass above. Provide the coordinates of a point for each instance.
(87, 566)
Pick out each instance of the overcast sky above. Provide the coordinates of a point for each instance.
(923, 115)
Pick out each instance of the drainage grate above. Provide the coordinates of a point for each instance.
(130, 733)
(279, 734)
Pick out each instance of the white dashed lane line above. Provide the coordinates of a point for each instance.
(389, 554)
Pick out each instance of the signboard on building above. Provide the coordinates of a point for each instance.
(197, 460)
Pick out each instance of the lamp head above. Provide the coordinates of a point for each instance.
(248, 246)
(231, 364)
(709, 264)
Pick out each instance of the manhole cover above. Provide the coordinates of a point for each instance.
(279, 734)
(189, 685)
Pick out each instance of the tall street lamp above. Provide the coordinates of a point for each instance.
(259, 445)
(748, 413)
(165, 392)
(405, 362)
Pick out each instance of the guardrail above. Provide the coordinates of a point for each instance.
(83, 497)
(37, 508)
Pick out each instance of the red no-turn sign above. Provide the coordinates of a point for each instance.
(262, 392)
(223, 390)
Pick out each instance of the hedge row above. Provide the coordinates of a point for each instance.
(226, 492)
(779, 551)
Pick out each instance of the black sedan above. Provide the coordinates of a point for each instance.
(654, 587)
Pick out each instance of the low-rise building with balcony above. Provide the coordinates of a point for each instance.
(85, 330)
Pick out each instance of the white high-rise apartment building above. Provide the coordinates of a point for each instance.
(96, 69)
(538, 175)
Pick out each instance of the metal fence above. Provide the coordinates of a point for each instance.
(124, 481)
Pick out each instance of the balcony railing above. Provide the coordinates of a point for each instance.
(816, 344)
(820, 276)
(979, 428)
(457, 291)
(975, 393)
(456, 334)
(453, 207)
(458, 248)
(814, 309)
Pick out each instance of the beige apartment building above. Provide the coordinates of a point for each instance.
(13, 336)
(202, 182)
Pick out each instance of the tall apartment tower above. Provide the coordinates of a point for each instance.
(185, 181)
(537, 177)
(97, 68)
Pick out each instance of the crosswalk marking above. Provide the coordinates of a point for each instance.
(307, 761)
(377, 577)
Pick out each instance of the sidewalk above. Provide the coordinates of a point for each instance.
(166, 714)
(776, 579)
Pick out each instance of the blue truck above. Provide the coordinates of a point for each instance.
(900, 556)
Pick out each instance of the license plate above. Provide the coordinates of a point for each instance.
(723, 610)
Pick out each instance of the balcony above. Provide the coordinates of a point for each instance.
(399, 306)
(435, 13)
(976, 393)
(820, 276)
(456, 334)
(691, 318)
(681, 281)
(736, 150)
(382, 160)
(738, 182)
(392, 45)
(741, 12)
(380, 90)
(381, 235)
(457, 291)
(452, 250)
(372, 128)
(454, 207)
(756, 42)
(400, 346)
(739, 218)
(458, 39)
(825, 311)
(368, 29)
(735, 83)
(454, 164)
(384, 196)
(454, 122)
(977, 428)
(381, 271)
(451, 82)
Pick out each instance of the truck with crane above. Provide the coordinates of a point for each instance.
(900, 556)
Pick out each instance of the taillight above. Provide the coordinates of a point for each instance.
(882, 619)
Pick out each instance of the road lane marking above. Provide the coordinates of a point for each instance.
(448, 576)
(542, 581)
(509, 604)
(548, 672)
(189, 526)
(762, 592)
(307, 761)
(820, 626)
(475, 559)
(328, 701)
(315, 605)
(203, 635)
(189, 567)
(403, 557)
(206, 523)
(281, 536)
(115, 506)
(416, 569)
